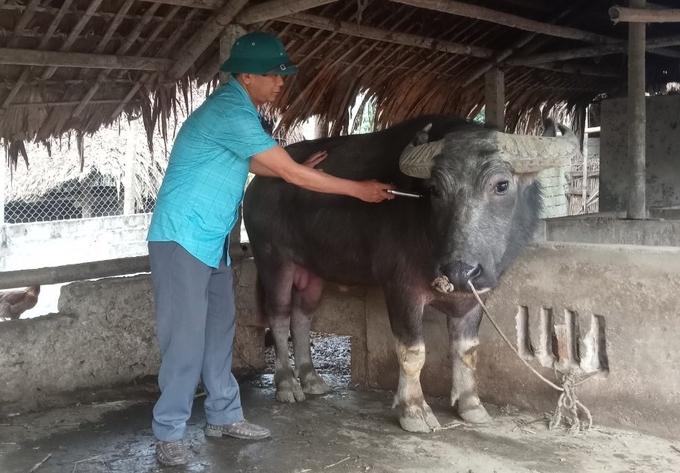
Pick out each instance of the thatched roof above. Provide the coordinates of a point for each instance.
(75, 65)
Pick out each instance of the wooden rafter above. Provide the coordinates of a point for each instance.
(593, 51)
(26, 72)
(378, 34)
(506, 53)
(124, 48)
(513, 21)
(276, 8)
(204, 4)
(92, 7)
(148, 78)
(206, 35)
(55, 59)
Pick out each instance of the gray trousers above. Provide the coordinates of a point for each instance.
(195, 324)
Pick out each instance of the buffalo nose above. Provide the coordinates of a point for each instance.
(460, 272)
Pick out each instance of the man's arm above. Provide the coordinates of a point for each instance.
(279, 162)
(311, 162)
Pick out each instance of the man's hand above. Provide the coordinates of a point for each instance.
(315, 159)
(374, 191)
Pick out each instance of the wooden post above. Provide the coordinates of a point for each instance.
(637, 118)
(231, 33)
(494, 97)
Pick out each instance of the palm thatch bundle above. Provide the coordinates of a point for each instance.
(74, 66)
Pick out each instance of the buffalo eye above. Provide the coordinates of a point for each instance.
(502, 187)
(434, 192)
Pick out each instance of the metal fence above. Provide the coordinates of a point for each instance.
(94, 196)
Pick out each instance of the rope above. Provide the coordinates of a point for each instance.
(568, 404)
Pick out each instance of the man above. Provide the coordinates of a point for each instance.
(188, 239)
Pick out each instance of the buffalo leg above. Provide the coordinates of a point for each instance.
(415, 415)
(305, 301)
(278, 284)
(463, 336)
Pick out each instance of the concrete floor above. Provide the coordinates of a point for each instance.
(346, 431)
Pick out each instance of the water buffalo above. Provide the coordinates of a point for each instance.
(479, 208)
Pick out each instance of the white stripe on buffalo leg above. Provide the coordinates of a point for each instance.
(464, 390)
(414, 413)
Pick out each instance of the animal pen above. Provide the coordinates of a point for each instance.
(592, 298)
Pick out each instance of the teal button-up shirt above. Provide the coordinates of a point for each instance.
(205, 180)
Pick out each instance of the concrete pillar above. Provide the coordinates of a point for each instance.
(129, 183)
(637, 115)
(494, 96)
(3, 174)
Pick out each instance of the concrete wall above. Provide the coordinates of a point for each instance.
(44, 244)
(104, 334)
(663, 153)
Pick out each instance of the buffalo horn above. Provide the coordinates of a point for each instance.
(417, 161)
(527, 154)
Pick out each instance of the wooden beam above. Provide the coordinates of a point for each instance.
(276, 8)
(387, 36)
(204, 37)
(513, 21)
(30, 57)
(597, 71)
(644, 15)
(74, 272)
(64, 104)
(594, 51)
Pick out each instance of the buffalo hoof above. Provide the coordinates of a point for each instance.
(314, 384)
(418, 418)
(289, 391)
(476, 415)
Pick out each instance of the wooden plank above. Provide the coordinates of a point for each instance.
(513, 21)
(644, 15)
(29, 57)
(387, 36)
(74, 272)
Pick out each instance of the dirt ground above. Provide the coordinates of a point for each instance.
(346, 431)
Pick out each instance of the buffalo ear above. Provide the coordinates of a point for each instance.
(549, 128)
(417, 158)
(423, 136)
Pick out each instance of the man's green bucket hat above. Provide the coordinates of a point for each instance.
(258, 53)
